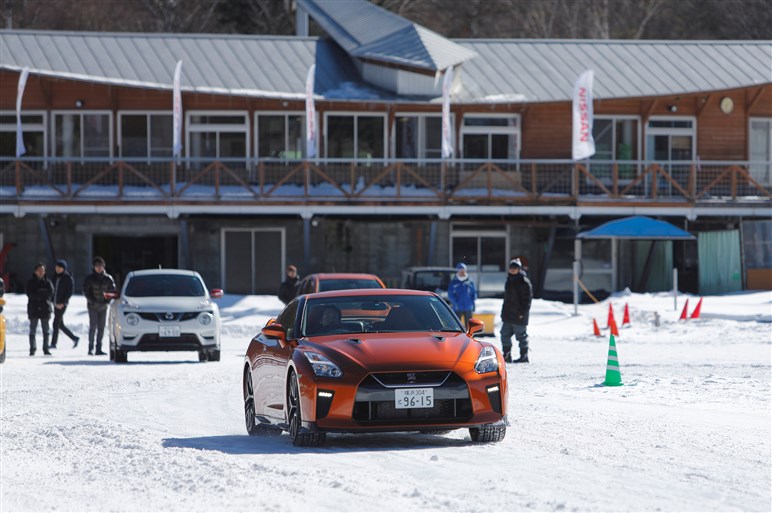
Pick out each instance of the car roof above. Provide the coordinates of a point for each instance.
(344, 276)
(157, 272)
(368, 292)
(429, 268)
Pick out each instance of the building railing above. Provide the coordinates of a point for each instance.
(424, 181)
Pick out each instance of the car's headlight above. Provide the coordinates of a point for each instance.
(323, 366)
(132, 319)
(487, 361)
(205, 318)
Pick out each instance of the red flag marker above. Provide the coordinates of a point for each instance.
(595, 328)
(696, 312)
(684, 311)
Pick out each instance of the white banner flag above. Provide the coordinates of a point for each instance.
(177, 113)
(310, 114)
(583, 143)
(447, 129)
(20, 149)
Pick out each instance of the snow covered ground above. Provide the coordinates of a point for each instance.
(689, 431)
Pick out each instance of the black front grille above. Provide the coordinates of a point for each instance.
(162, 317)
(375, 402)
(401, 379)
(152, 342)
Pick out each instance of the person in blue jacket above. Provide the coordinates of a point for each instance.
(462, 294)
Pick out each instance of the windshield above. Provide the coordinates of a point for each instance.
(159, 285)
(370, 314)
(348, 283)
(432, 280)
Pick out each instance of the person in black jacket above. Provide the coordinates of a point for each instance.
(94, 287)
(63, 287)
(518, 294)
(289, 287)
(40, 290)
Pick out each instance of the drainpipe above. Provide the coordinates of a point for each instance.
(46, 235)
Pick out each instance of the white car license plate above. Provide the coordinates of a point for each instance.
(413, 398)
(168, 331)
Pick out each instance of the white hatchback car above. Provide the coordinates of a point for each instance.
(164, 310)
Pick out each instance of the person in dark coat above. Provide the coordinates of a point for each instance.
(94, 287)
(462, 294)
(40, 291)
(289, 287)
(518, 294)
(63, 287)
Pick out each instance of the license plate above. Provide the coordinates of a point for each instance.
(168, 331)
(413, 398)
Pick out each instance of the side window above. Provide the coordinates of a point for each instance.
(287, 318)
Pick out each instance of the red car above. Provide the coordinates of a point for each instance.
(369, 361)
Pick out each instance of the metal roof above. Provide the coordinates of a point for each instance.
(545, 70)
(513, 70)
(365, 30)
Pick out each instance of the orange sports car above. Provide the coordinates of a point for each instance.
(370, 360)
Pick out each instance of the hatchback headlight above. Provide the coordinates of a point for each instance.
(487, 361)
(323, 366)
(132, 319)
(205, 318)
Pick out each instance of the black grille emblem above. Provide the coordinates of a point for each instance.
(411, 377)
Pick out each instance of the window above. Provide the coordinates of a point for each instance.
(490, 136)
(760, 150)
(145, 134)
(484, 251)
(418, 136)
(355, 136)
(280, 135)
(33, 133)
(217, 135)
(83, 134)
(670, 140)
(616, 139)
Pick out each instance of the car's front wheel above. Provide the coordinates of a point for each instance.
(249, 404)
(488, 434)
(297, 435)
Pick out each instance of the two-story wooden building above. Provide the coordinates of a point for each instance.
(683, 132)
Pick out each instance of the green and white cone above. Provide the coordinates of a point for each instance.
(613, 376)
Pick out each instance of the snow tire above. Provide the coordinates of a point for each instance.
(297, 435)
(488, 434)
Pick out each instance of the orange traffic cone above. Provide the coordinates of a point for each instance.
(595, 328)
(610, 316)
(626, 316)
(614, 330)
(696, 312)
(684, 311)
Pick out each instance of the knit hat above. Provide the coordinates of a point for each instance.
(98, 261)
(62, 263)
(460, 266)
(515, 262)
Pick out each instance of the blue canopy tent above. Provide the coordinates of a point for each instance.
(633, 228)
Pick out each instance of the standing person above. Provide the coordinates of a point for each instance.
(518, 294)
(289, 287)
(63, 287)
(462, 294)
(94, 287)
(40, 291)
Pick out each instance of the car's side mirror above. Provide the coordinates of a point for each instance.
(475, 326)
(276, 331)
(110, 295)
(216, 293)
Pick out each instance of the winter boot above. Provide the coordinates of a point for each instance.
(507, 355)
(523, 357)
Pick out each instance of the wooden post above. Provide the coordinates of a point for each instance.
(120, 179)
(17, 177)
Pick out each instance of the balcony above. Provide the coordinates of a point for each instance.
(83, 181)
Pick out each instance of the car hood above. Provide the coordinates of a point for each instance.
(177, 304)
(392, 351)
